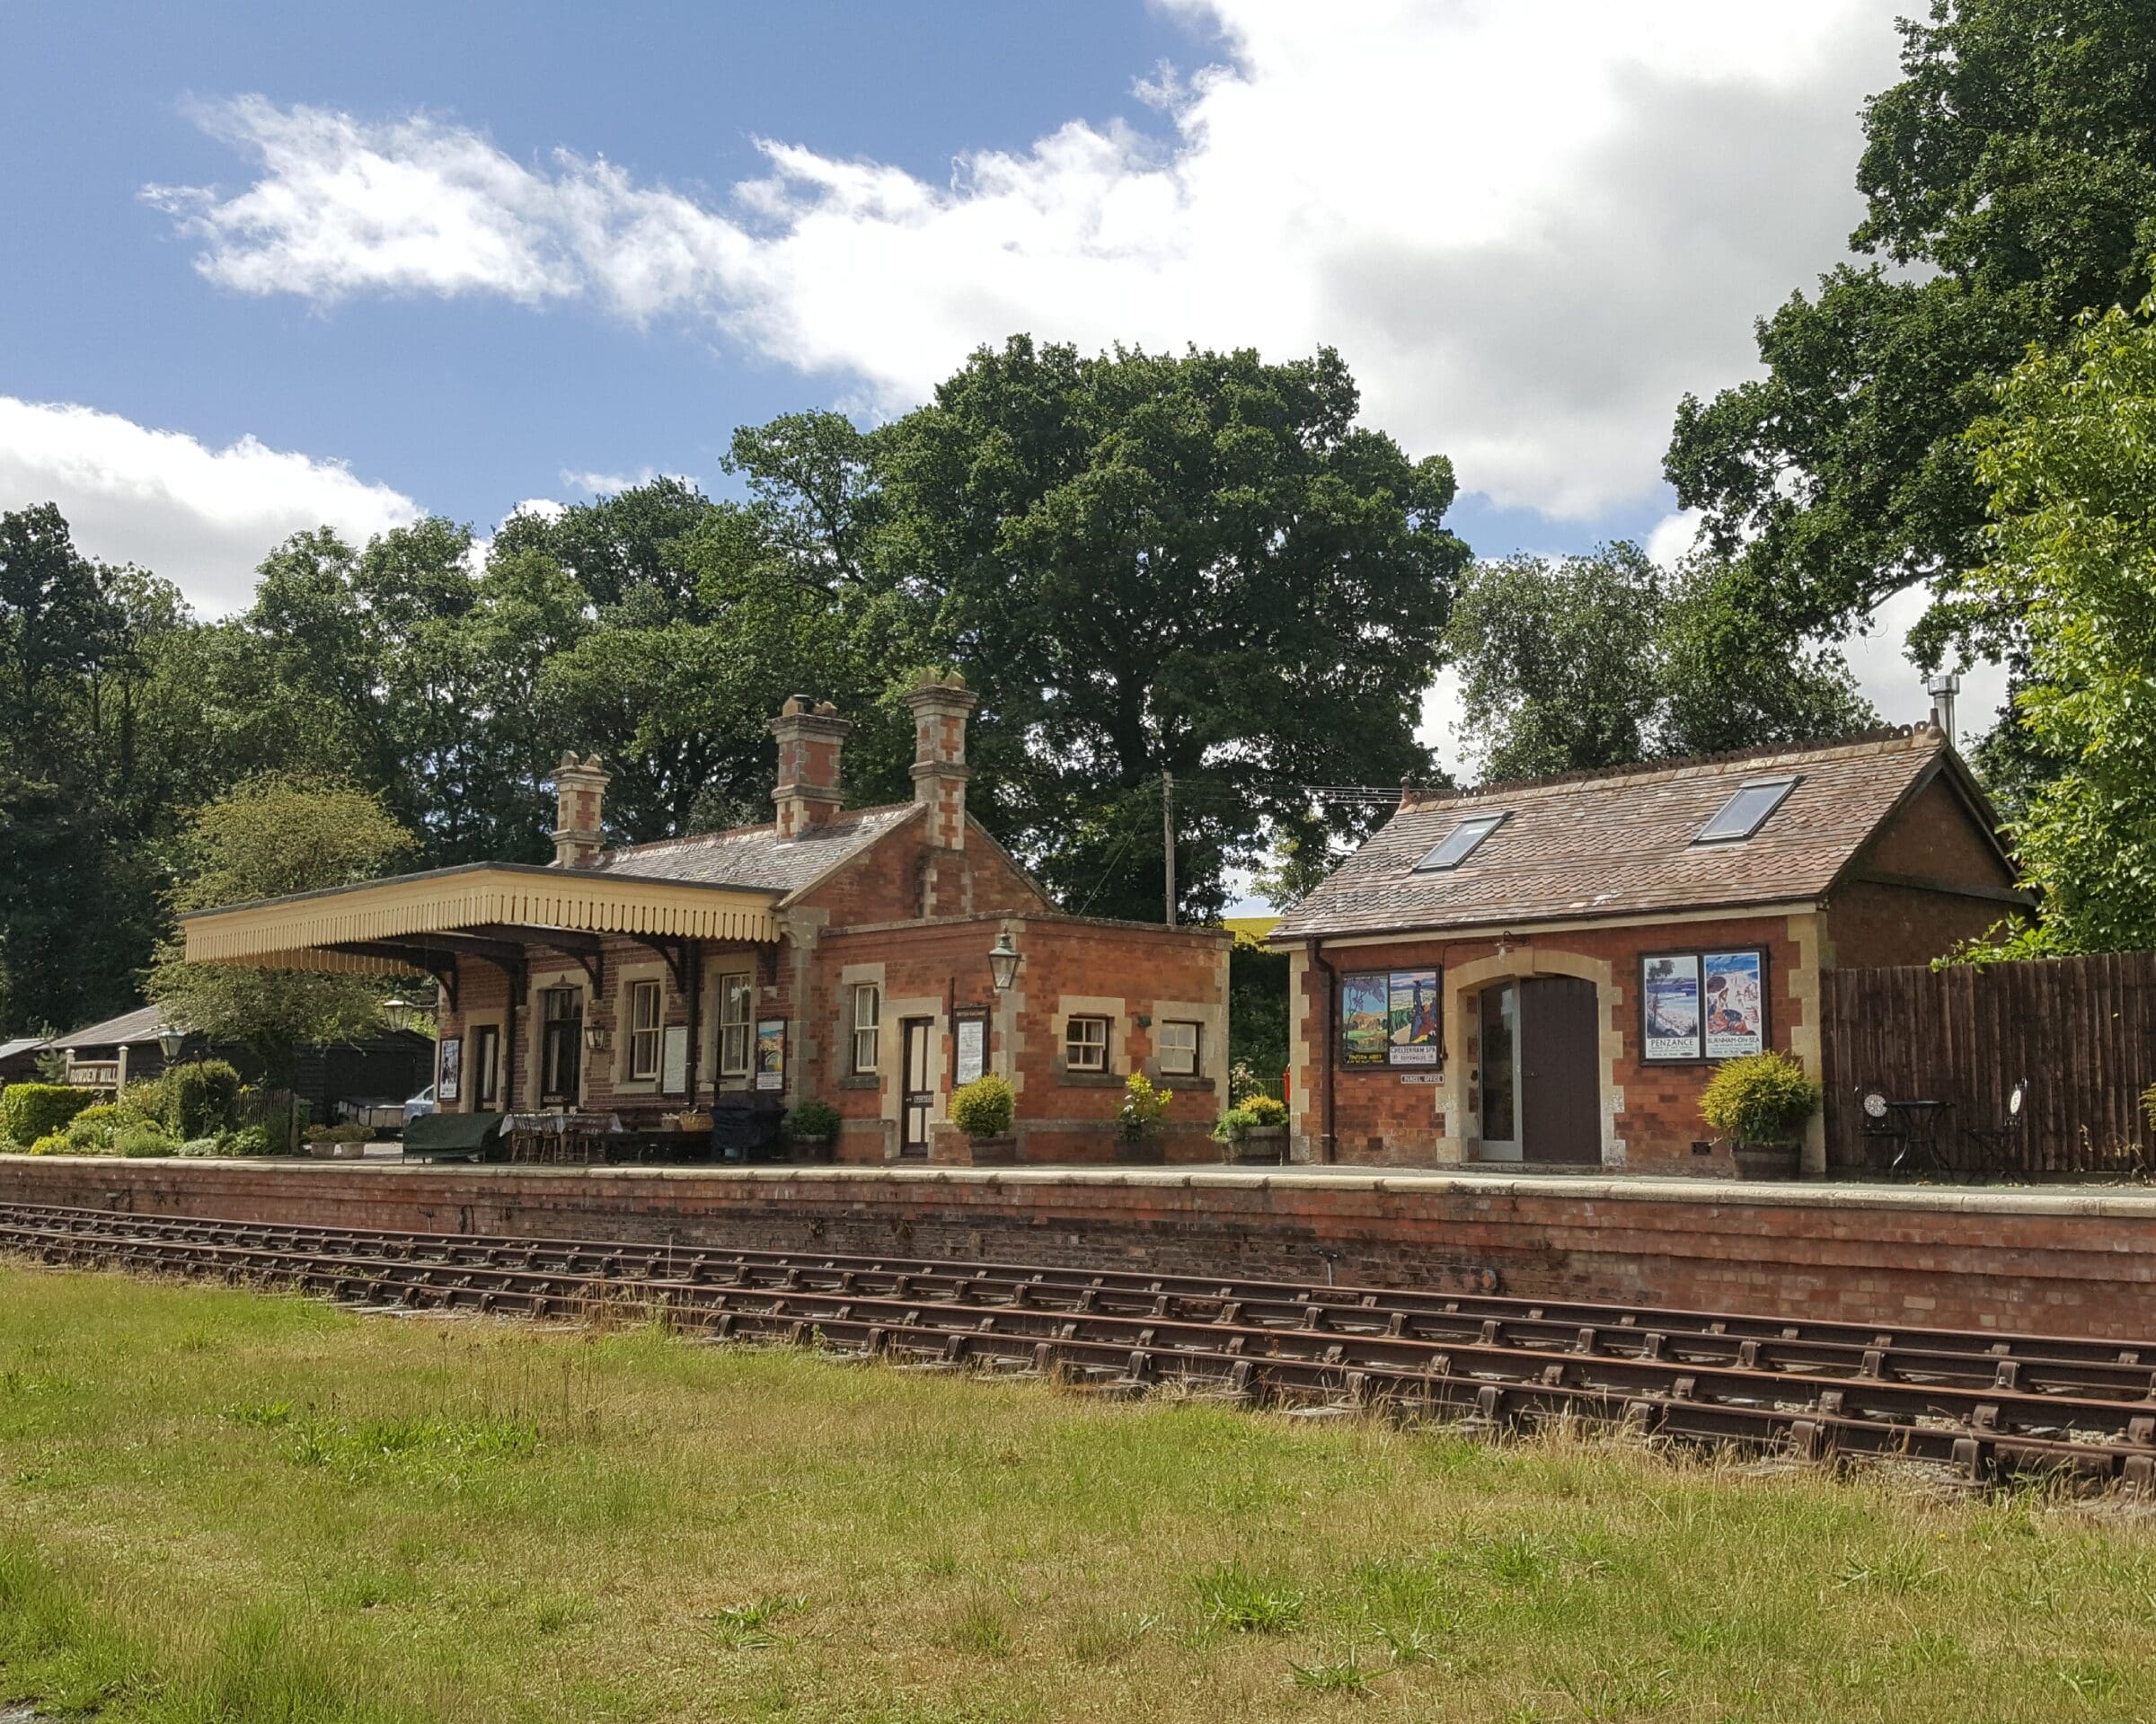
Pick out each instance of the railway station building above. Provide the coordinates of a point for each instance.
(871, 958)
(1548, 973)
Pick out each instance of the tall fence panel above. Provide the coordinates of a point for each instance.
(2082, 1030)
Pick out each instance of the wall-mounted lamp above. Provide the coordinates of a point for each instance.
(1002, 962)
(399, 1011)
(598, 1038)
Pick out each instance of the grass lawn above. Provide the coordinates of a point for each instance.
(219, 1506)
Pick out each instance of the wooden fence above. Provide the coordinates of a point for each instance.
(2082, 1030)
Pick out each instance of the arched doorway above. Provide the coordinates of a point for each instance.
(1538, 1088)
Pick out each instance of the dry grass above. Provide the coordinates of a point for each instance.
(215, 1506)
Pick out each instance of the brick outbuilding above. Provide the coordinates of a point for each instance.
(835, 954)
(1549, 972)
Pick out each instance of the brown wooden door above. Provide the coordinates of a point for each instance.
(1561, 1086)
(916, 1098)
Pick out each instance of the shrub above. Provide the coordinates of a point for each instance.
(1760, 1099)
(201, 1097)
(813, 1122)
(983, 1108)
(1233, 1126)
(29, 1111)
(144, 1102)
(1143, 1105)
(90, 1132)
(248, 1140)
(1264, 1110)
(201, 1148)
(52, 1143)
(1242, 1083)
(140, 1140)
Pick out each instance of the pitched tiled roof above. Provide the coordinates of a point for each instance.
(756, 857)
(1621, 843)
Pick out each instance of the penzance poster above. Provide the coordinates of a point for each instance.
(771, 1054)
(1365, 1012)
(1736, 1004)
(1670, 1006)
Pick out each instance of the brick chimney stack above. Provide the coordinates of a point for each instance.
(940, 707)
(809, 739)
(579, 811)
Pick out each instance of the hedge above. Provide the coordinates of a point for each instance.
(29, 1111)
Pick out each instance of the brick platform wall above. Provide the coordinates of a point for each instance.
(2067, 1263)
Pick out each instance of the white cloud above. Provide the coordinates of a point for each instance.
(1528, 228)
(201, 518)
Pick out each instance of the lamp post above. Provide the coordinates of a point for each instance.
(172, 1043)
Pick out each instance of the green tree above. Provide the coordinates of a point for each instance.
(2010, 181)
(1196, 563)
(266, 838)
(1570, 663)
(2066, 459)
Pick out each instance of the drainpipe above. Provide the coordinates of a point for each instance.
(1324, 1062)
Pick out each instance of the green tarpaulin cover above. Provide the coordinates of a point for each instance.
(472, 1134)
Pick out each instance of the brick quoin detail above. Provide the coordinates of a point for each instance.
(2018, 1262)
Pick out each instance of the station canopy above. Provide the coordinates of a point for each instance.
(496, 912)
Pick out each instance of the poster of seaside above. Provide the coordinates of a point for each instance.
(1413, 1017)
(1736, 1004)
(1671, 994)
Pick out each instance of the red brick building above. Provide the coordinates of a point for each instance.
(838, 954)
(1549, 972)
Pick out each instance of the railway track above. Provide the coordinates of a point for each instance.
(1986, 1404)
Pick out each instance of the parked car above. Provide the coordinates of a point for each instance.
(423, 1103)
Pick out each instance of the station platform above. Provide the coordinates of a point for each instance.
(2063, 1259)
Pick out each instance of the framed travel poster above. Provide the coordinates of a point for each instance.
(1365, 1017)
(1736, 1004)
(1411, 1018)
(971, 1058)
(1669, 1006)
(771, 1053)
(450, 1081)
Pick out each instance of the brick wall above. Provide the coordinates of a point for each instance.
(1650, 1121)
(2062, 1263)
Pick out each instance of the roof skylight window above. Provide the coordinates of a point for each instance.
(1746, 811)
(1458, 844)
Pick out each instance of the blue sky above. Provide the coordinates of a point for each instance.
(271, 265)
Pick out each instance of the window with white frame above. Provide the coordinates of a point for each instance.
(736, 1006)
(643, 1031)
(1085, 1045)
(868, 1020)
(1178, 1049)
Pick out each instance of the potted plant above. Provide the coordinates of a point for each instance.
(811, 1129)
(1761, 1103)
(1253, 1131)
(983, 1110)
(1140, 1116)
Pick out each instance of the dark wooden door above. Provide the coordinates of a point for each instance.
(916, 1098)
(1560, 1085)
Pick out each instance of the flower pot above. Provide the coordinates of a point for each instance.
(1260, 1146)
(810, 1149)
(1140, 1152)
(992, 1152)
(1767, 1161)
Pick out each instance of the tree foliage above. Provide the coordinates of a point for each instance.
(2070, 460)
(267, 838)
(2011, 182)
(1580, 662)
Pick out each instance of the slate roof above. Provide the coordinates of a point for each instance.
(756, 857)
(1621, 843)
(144, 1023)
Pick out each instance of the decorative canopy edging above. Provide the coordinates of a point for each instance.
(301, 933)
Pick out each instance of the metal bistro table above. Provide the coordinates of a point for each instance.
(1920, 1123)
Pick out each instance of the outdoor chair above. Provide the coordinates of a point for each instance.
(1994, 1146)
(1883, 1132)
